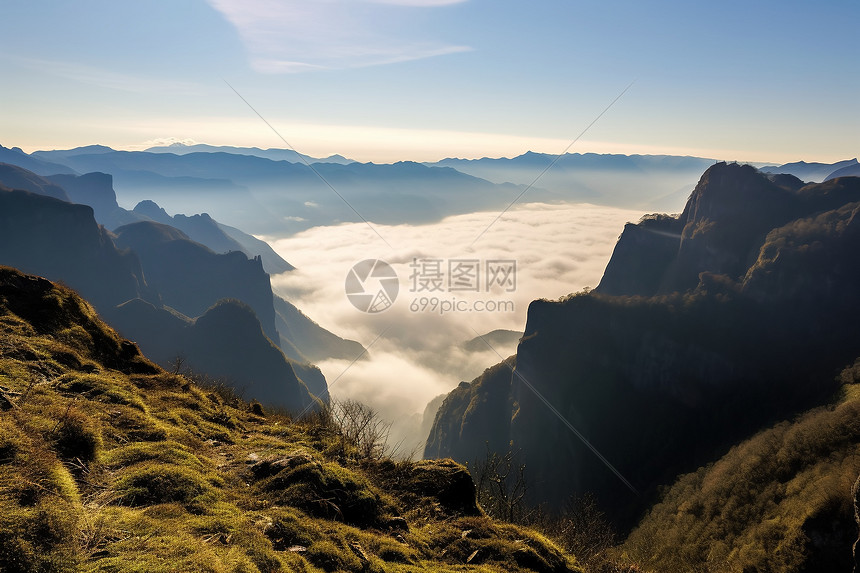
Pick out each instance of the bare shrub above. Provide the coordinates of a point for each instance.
(361, 428)
(501, 486)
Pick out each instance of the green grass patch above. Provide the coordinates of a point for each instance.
(103, 388)
(151, 483)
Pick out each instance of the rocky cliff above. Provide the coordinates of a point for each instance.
(706, 328)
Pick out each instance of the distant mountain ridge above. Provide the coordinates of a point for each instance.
(16, 177)
(16, 156)
(815, 172)
(273, 190)
(263, 195)
(850, 170)
(272, 153)
(191, 278)
(636, 181)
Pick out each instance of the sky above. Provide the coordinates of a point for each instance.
(388, 80)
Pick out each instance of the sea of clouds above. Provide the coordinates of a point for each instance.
(414, 355)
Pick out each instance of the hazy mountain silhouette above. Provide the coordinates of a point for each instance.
(268, 191)
(850, 170)
(606, 179)
(96, 190)
(200, 228)
(224, 199)
(15, 177)
(191, 277)
(252, 246)
(492, 339)
(810, 172)
(16, 156)
(225, 343)
(63, 242)
(272, 153)
(706, 328)
(58, 155)
(262, 195)
(220, 238)
(303, 339)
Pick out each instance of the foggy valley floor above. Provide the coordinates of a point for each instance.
(558, 249)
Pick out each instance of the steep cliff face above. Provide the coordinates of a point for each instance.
(726, 218)
(483, 408)
(642, 256)
(191, 278)
(744, 314)
(96, 190)
(61, 241)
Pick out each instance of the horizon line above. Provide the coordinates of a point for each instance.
(30, 149)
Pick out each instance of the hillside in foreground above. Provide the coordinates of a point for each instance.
(779, 502)
(109, 463)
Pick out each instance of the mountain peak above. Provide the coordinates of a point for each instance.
(150, 232)
(152, 210)
(727, 190)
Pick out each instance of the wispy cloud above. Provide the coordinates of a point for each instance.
(103, 77)
(299, 35)
(168, 141)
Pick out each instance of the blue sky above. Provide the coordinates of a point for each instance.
(384, 80)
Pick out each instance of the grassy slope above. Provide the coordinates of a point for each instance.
(778, 502)
(108, 463)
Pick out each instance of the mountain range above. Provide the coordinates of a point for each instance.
(96, 190)
(180, 300)
(272, 153)
(816, 172)
(275, 191)
(632, 181)
(265, 196)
